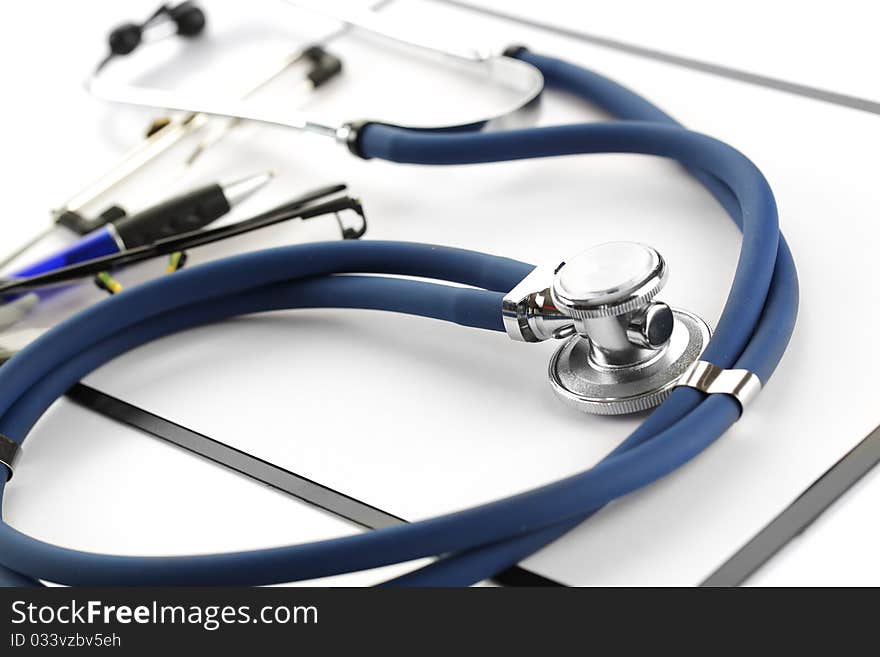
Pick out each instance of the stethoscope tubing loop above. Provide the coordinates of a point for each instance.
(752, 333)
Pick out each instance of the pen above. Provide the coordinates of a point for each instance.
(305, 207)
(180, 214)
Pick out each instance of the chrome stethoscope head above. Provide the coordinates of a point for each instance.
(625, 351)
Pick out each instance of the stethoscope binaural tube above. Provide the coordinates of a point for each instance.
(478, 538)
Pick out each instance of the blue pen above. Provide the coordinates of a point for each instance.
(190, 211)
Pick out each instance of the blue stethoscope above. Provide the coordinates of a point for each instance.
(473, 544)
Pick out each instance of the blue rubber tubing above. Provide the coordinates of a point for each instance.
(780, 315)
(753, 330)
(625, 104)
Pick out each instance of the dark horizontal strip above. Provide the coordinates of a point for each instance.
(811, 504)
(249, 465)
(302, 488)
(807, 91)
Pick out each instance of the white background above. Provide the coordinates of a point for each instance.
(418, 417)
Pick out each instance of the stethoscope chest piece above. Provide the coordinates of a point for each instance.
(625, 351)
(583, 383)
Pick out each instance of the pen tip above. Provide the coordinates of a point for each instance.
(239, 190)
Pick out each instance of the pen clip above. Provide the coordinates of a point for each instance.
(353, 233)
(303, 207)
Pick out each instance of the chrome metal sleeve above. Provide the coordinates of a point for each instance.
(528, 311)
(742, 385)
(9, 454)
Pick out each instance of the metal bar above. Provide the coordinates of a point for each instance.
(795, 88)
(249, 465)
(370, 21)
(135, 159)
(300, 487)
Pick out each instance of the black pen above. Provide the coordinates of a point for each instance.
(305, 207)
(182, 214)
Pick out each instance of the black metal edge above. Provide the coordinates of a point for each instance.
(800, 514)
(302, 488)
